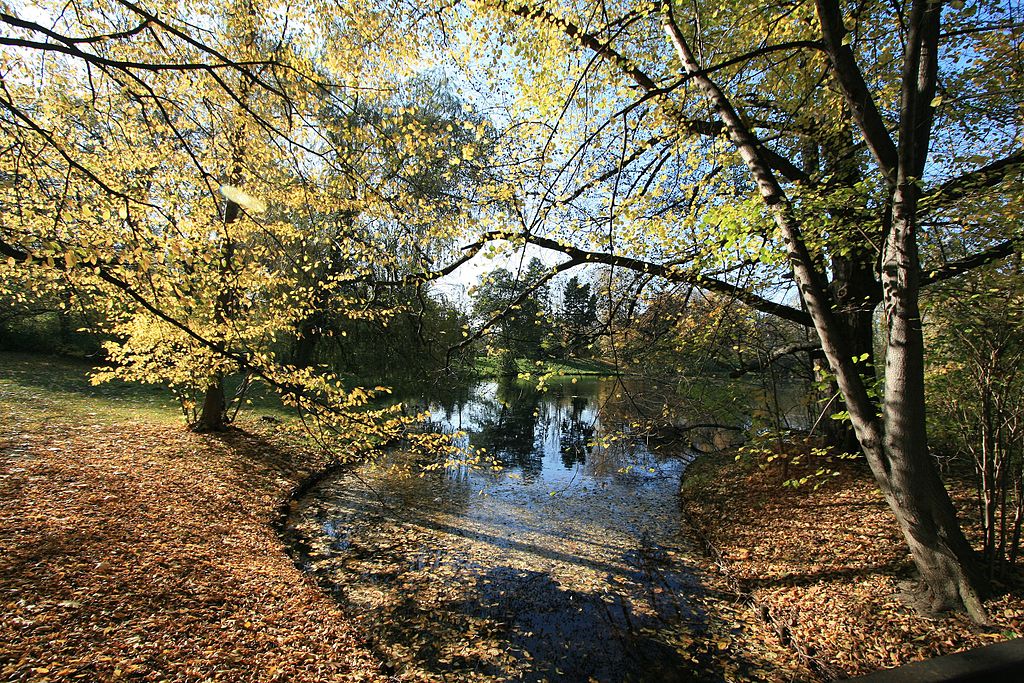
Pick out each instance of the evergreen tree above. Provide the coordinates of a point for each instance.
(579, 316)
(517, 307)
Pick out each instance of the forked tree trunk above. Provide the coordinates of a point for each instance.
(896, 446)
(905, 470)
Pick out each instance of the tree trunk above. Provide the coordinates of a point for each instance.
(943, 557)
(305, 344)
(854, 290)
(896, 446)
(854, 287)
(905, 470)
(214, 415)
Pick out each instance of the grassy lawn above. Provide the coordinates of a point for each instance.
(45, 388)
(489, 366)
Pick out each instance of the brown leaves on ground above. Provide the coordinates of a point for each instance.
(821, 573)
(147, 553)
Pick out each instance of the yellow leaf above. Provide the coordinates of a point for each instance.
(244, 200)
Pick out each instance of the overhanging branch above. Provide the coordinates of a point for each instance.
(775, 355)
(676, 274)
(606, 52)
(983, 178)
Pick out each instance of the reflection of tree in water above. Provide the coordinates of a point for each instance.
(577, 433)
(520, 423)
(507, 427)
(446, 403)
(522, 427)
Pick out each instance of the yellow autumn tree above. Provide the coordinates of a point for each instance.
(176, 160)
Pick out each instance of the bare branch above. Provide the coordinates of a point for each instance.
(775, 355)
(983, 178)
(69, 46)
(651, 89)
(961, 266)
(676, 274)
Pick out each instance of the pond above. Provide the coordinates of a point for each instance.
(568, 561)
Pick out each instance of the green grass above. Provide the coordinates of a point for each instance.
(260, 400)
(49, 388)
(490, 366)
(40, 388)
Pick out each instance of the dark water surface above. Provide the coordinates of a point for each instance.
(569, 562)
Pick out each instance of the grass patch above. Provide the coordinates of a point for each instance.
(42, 388)
(49, 388)
(490, 366)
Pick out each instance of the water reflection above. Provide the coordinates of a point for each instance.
(569, 562)
(531, 431)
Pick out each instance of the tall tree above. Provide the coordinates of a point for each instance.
(377, 155)
(517, 306)
(718, 145)
(578, 315)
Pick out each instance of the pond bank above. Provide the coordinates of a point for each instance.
(814, 578)
(489, 367)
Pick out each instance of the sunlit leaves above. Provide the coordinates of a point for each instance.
(240, 197)
(213, 191)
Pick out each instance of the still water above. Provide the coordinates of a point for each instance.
(567, 562)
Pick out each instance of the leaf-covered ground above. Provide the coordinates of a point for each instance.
(823, 574)
(132, 551)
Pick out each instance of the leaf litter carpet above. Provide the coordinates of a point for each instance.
(133, 552)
